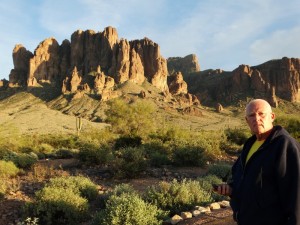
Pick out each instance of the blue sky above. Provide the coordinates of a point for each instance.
(223, 34)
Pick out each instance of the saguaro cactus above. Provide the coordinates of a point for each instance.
(78, 124)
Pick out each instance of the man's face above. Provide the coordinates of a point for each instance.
(259, 117)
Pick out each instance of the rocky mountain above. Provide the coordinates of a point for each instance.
(272, 80)
(97, 63)
(92, 63)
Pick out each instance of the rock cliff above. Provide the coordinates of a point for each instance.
(271, 80)
(89, 62)
(96, 62)
(187, 64)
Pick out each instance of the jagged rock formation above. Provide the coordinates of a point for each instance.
(271, 80)
(91, 62)
(21, 57)
(94, 63)
(187, 64)
(176, 84)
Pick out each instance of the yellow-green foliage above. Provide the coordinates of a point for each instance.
(57, 205)
(131, 119)
(8, 169)
(177, 196)
(129, 162)
(221, 170)
(129, 209)
(64, 200)
(185, 147)
(237, 135)
(80, 185)
(291, 124)
(207, 183)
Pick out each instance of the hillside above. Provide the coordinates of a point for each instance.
(25, 113)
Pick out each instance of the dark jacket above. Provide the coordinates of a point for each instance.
(266, 191)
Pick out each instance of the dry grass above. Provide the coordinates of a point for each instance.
(24, 113)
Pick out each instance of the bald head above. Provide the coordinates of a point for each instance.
(258, 102)
(259, 117)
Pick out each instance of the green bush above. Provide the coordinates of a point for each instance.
(207, 183)
(189, 156)
(129, 162)
(157, 153)
(291, 124)
(237, 135)
(131, 119)
(82, 186)
(177, 196)
(221, 170)
(123, 188)
(91, 154)
(129, 209)
(206, 145)
(25, 160)
(8, 169)
(128, 141)
(21, 160)
(58, 205)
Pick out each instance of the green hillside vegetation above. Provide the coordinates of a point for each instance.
(127, 136)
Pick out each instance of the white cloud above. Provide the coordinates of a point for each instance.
(279, 44)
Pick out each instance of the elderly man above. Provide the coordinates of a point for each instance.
(265, 186)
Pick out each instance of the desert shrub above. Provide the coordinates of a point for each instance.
(97, 136)
(128, 141)
(8, 169)
(21, 160)
(129, 162)
(231, 148)
(95, 155)
(134, 119)
(58, 205)
(66, 153)
(82, 186)
(221, 170)
(123, 188)
(40, 172)
(237, 135)
(45, 148)
(7, 155)
(205, 144)
(291, 124)
(3, 188)
(25, 160)
(189, 156)
(177, 196)
(207, 182)
(56, 141)
(117, 191)
(157, 153)
(129, 209)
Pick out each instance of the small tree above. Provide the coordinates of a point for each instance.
(135, 119)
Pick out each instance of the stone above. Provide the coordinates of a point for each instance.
(214, 206)
(186, 215)
(176, 219)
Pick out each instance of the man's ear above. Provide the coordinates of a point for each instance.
(273, 116)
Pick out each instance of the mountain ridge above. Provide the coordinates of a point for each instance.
(96, 63)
